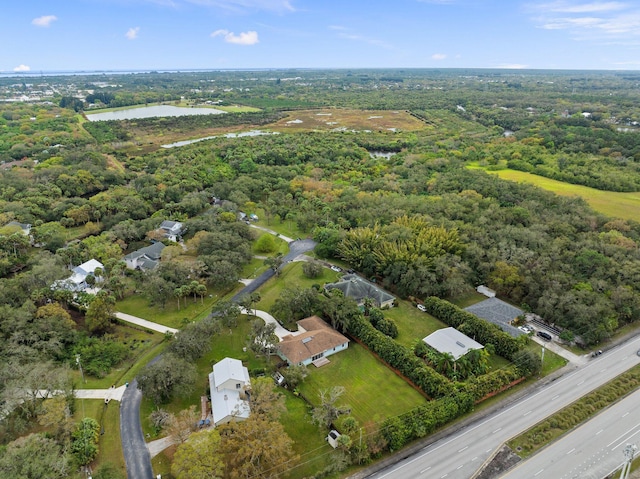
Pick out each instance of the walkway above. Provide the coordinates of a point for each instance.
(145, 324)
(274, 233)
(280, 331)
(109, 394)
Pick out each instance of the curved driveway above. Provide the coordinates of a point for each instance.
(136, 453)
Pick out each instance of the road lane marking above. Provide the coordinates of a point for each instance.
(538, 472)
(425, 470)
(555, 397)
(580, 383)
(459, 467)
(474, 458)
(465, 447)
(622, 435)
(625, 414)
(499, 429)
(527, 413)
(599, 431)
(571, 451)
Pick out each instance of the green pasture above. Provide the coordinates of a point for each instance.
(372, 391)
(610, 203)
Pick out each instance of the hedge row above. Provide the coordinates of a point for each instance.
(474, 327)
(433, 384)
(483, 386)
(424, 420)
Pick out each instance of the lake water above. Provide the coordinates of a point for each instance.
(228, 135)
(150, 112)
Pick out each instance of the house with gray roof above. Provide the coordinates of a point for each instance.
(145, 259)
(358, 289)
(497, 312)
(451, 341)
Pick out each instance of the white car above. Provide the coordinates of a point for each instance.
(335, 268)
(422, 308)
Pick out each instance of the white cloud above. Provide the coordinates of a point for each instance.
(44, 21)
(343, 33)
(132, 33)
(22, 68)
(589, 21)
(439, 56)
(279, 6)
(578, 7)
(244, 38)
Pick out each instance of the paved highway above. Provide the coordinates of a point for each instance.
(591, 451)
(459, 456)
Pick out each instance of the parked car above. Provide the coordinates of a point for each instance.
(524, 329)
(422, 308)
(335, 268)
(544, 335)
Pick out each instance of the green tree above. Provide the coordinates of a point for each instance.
(166, 378)
(275, 263)
(199, 457)
(328, 410)
(262, 338)
(266, 244)
(84, 443)
(34, 457)
(101, 314)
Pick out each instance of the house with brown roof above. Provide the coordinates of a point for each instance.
(314, 341)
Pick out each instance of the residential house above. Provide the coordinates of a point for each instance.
(314, 341)
(78, 280)
(25, 228)
(171, 229)
(357, 288)
(145, 259)
(229, 384)
(450, 340)
(497, 312)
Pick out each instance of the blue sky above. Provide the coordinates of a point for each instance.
(46, 35)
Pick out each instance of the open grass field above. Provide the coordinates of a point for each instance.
(610, 203)
(412, 323)
(346, 119)
(372, 390)
(137, 305)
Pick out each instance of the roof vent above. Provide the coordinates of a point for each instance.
(307, 339)
(460, 344)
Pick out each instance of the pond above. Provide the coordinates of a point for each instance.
(227, 135)
(150, 112)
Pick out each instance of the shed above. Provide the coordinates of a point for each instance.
(450, 340)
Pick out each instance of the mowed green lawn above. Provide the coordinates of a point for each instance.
(372, 391)
(412, 323)
(610, 203)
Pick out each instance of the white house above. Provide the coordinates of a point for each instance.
(78, 280)
(171, 229)
(229, 383)
(146, 258)
(315, 341)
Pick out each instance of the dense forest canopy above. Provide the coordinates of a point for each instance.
(97, 189)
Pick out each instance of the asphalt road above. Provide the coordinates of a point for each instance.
(136, 454)
(134, 447)
(461, 454)
(591, 451)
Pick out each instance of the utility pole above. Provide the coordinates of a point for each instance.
(628, 451)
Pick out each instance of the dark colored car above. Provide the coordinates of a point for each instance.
(544, 335)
